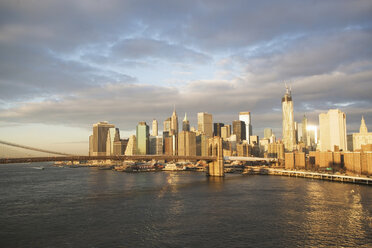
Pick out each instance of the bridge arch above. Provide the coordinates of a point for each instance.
(216, 168)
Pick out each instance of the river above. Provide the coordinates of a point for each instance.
(87, 207)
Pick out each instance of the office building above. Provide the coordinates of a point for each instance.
(217, 129)
(131, 146)
(201, 145)
(225, 132)
(156, 145)
(167, 125)
(246, 118)
(267, 133)
(142, 135)
(174, 123)
(361, 138)
(112, 136)
(120, 147)
(304, 131)
(154, 128)
(332, 130)
(99, 139)
(288, 135)
(186, 143)
(254, 139)
(185, 124)
(205, 122)
(239, 130)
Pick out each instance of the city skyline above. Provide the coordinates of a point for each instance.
(62, 71)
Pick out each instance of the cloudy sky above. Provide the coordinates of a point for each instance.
(65, 65)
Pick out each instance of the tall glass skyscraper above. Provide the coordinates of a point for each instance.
(289, 137)
(246, 118)
(142, 133)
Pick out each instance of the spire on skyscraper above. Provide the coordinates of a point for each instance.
(363, 127)
(185, 119)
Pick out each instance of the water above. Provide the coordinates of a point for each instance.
(85, 207)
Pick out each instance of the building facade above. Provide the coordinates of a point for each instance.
(186, 143)
(217, 129)
(185, 124)
(288, 134)
(99, 138)
(205, 122)
(142, 135)
(239, 130)
(154, 128)
(332, 130)
(246, 118)
(363, 137)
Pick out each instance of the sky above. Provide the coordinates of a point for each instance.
(65, 65)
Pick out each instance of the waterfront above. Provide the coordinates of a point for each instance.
(87, 207)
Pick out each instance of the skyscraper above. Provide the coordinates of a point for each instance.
(154, 128)
(217, 129)
(332, 130)
(185, 124)
(174, 123)
(112, 136)
(239, 130)
(246, 117)
(167, 125)
(288, 136)
(267, 133)
(142, 135)
(131, 148)
(304, 130)
(187, 143)
(226, 131)
(205, 124)
(99, 139)
(363, 137)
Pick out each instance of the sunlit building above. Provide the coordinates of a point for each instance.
(239, 130)
(186, 143)
(267, 133)
(246, 118)
(332, 130)
(217, 129)
(185, 124)
(288, 135)
(99, 138)
(142, 135)
(205, 124)
(363, 137)
(154, 128)
(131, 148)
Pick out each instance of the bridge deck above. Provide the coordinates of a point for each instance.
(117, 158)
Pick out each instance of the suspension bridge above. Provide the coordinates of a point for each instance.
(14, 153)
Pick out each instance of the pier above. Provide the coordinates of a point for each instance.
(307, 174)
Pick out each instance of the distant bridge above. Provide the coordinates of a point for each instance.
(117, 158)
(252, 159)
(32, 148)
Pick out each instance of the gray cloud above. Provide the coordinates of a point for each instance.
(76, 62)
(149, 48)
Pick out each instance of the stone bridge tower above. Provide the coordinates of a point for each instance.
(216, 168)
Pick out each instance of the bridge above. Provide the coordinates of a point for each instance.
(215, 157)
(115, 158)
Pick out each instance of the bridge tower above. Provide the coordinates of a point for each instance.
(216, 168)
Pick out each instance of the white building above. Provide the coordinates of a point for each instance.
(289, 136)
(246, 118)
(332, 130)
(363, 137)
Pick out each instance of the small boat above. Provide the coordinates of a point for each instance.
(38, 168)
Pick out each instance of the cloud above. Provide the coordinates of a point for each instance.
(79, 62)
(149, 48)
